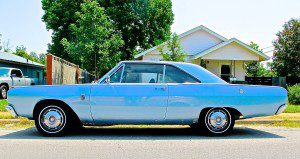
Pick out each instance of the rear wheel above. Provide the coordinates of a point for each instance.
(217, 121)
(53, 121)
(3, 93)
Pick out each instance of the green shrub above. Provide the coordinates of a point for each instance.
(294, 94)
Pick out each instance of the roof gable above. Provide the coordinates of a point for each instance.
(185, 35)
(224, 44)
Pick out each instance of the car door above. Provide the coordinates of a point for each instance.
(16, 77)
(183, 102)
(136, 94)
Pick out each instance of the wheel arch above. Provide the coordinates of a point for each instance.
(42, 103)
(236, 113)
(6, 84)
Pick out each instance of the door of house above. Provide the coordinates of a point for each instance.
(225, 72)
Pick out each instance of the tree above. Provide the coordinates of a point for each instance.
(6, 46)
(256, 68)
(142, 23)
(21, 51)
(173, 51)
(286, 58)
(42, 58)
(58, 17)
(96, 41)
(34, 55)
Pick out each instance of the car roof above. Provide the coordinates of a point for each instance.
(194, 70)
(149, 61)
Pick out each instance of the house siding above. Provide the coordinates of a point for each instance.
(232, 51)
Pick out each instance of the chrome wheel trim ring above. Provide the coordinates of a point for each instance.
(214, 126)
(52, 119)
(4, 92)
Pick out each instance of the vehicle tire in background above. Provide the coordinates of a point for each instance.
(3, 92)
(217, 121)
(53, 120)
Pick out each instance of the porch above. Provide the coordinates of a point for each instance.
(228, 70)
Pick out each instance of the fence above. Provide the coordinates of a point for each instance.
(60, 71)
(292, 80)
(270, 81)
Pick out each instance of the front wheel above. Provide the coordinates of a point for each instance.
(217, 121)
(52, 121)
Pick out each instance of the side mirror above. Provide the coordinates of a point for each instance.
(107, 79)
(13, 75)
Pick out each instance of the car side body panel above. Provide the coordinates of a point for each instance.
(129, 103)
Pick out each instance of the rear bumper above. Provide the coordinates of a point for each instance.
(281, 109)
(11, 110)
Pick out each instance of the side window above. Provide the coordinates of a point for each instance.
(143, 73)
(174, 75)
(17, 73)
(116, 77)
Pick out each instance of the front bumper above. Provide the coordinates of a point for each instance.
(281, 109)
(11, 110)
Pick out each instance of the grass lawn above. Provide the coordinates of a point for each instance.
(292, 109)
(23, 123)
(3, 103)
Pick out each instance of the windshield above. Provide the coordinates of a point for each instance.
(4, 72)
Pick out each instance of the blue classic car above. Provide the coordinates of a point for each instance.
(144, 92)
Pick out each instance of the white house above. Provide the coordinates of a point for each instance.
(224, 57)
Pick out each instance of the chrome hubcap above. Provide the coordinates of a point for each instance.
(217, 120)
(3, 93)
(52, 119)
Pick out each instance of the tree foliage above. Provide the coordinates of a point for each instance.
(142, 23)
(173, 50)
(58, 16)
(96, 42)
(256, 68)
(21, 51)
(287, 50)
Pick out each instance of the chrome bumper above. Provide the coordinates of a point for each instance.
(11, 110)
(281, 109)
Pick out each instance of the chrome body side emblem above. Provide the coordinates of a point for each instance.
(82, 96)
(241, 91)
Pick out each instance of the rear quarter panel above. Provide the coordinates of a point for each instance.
(187, 100)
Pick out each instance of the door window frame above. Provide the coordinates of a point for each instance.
(164, 73)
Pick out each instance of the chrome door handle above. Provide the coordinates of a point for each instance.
(161, 88)
(82, 96)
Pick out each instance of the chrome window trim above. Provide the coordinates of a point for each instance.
(123, 67)
(123, 64)
(164, 74)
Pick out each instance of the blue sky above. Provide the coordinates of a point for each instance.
(247, 20)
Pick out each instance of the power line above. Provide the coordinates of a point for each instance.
(267, 47)
(268, 51)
